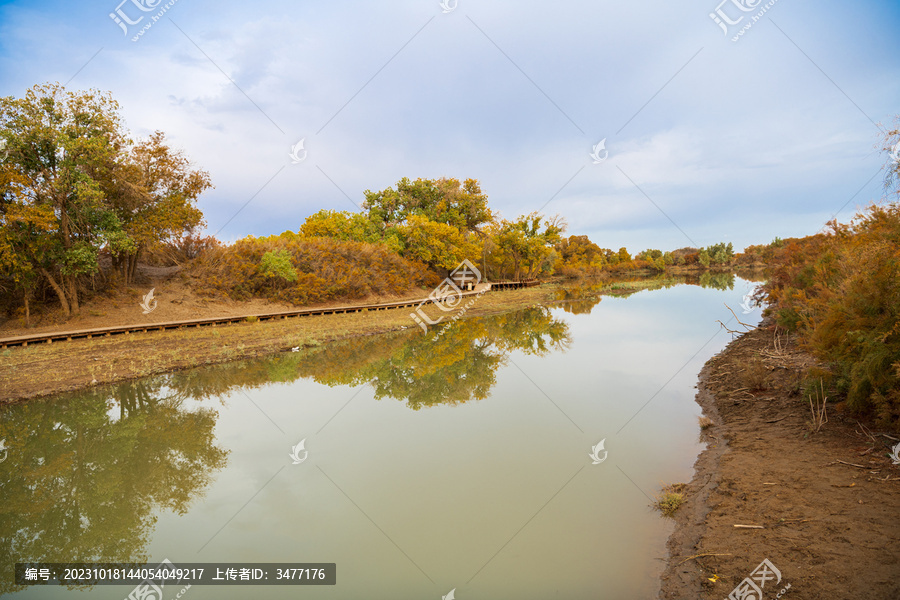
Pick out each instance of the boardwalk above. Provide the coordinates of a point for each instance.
(49, 337)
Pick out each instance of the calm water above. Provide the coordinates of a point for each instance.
(433, 464)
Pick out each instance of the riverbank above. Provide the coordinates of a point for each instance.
(44, 369)
(820, 506)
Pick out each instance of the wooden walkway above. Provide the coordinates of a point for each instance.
(57, 336)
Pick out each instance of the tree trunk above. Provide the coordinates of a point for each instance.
(132, 266)
(59, 292)
(73, 295)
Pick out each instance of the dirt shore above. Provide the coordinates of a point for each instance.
(823, 506)
(43, 369)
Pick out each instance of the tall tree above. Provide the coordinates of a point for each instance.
(524, 246)
(153, 192)
(60, 143)
(461, 205)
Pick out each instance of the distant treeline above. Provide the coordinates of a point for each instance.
(82, 205)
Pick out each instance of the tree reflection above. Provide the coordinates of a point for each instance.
(452, 367)
(581, 298)
(86, 474)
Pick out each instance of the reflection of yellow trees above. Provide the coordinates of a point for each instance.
(581, 299)
(86, 474)
(455, 366)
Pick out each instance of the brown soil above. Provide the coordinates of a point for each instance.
(42, 369)
(176, 301)
(827, 502)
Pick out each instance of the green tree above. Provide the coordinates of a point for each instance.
(447, 201)
(704, 257)
(276, 267)
(62, 145)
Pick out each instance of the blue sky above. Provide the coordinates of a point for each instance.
(708, 139)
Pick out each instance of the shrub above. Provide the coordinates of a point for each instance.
(299, 270)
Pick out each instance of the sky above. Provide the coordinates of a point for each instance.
(644, 124)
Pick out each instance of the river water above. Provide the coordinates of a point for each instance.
(429, 464)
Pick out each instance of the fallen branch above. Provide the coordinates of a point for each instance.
(846, 463)
(748, 526)
(749, 327)
(699, 555)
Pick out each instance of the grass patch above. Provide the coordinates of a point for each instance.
(755, 375)
(705, 422)
(670, 499)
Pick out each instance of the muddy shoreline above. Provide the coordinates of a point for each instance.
(821, 506)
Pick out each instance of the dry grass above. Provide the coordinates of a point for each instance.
(817, 399)
(670, 498)
(755, 375)
(705, 422)
(42, 369)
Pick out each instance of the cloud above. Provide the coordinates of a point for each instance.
(739, 139)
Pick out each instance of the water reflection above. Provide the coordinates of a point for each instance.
(581, 297)
(85, 475)
(423, 370)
